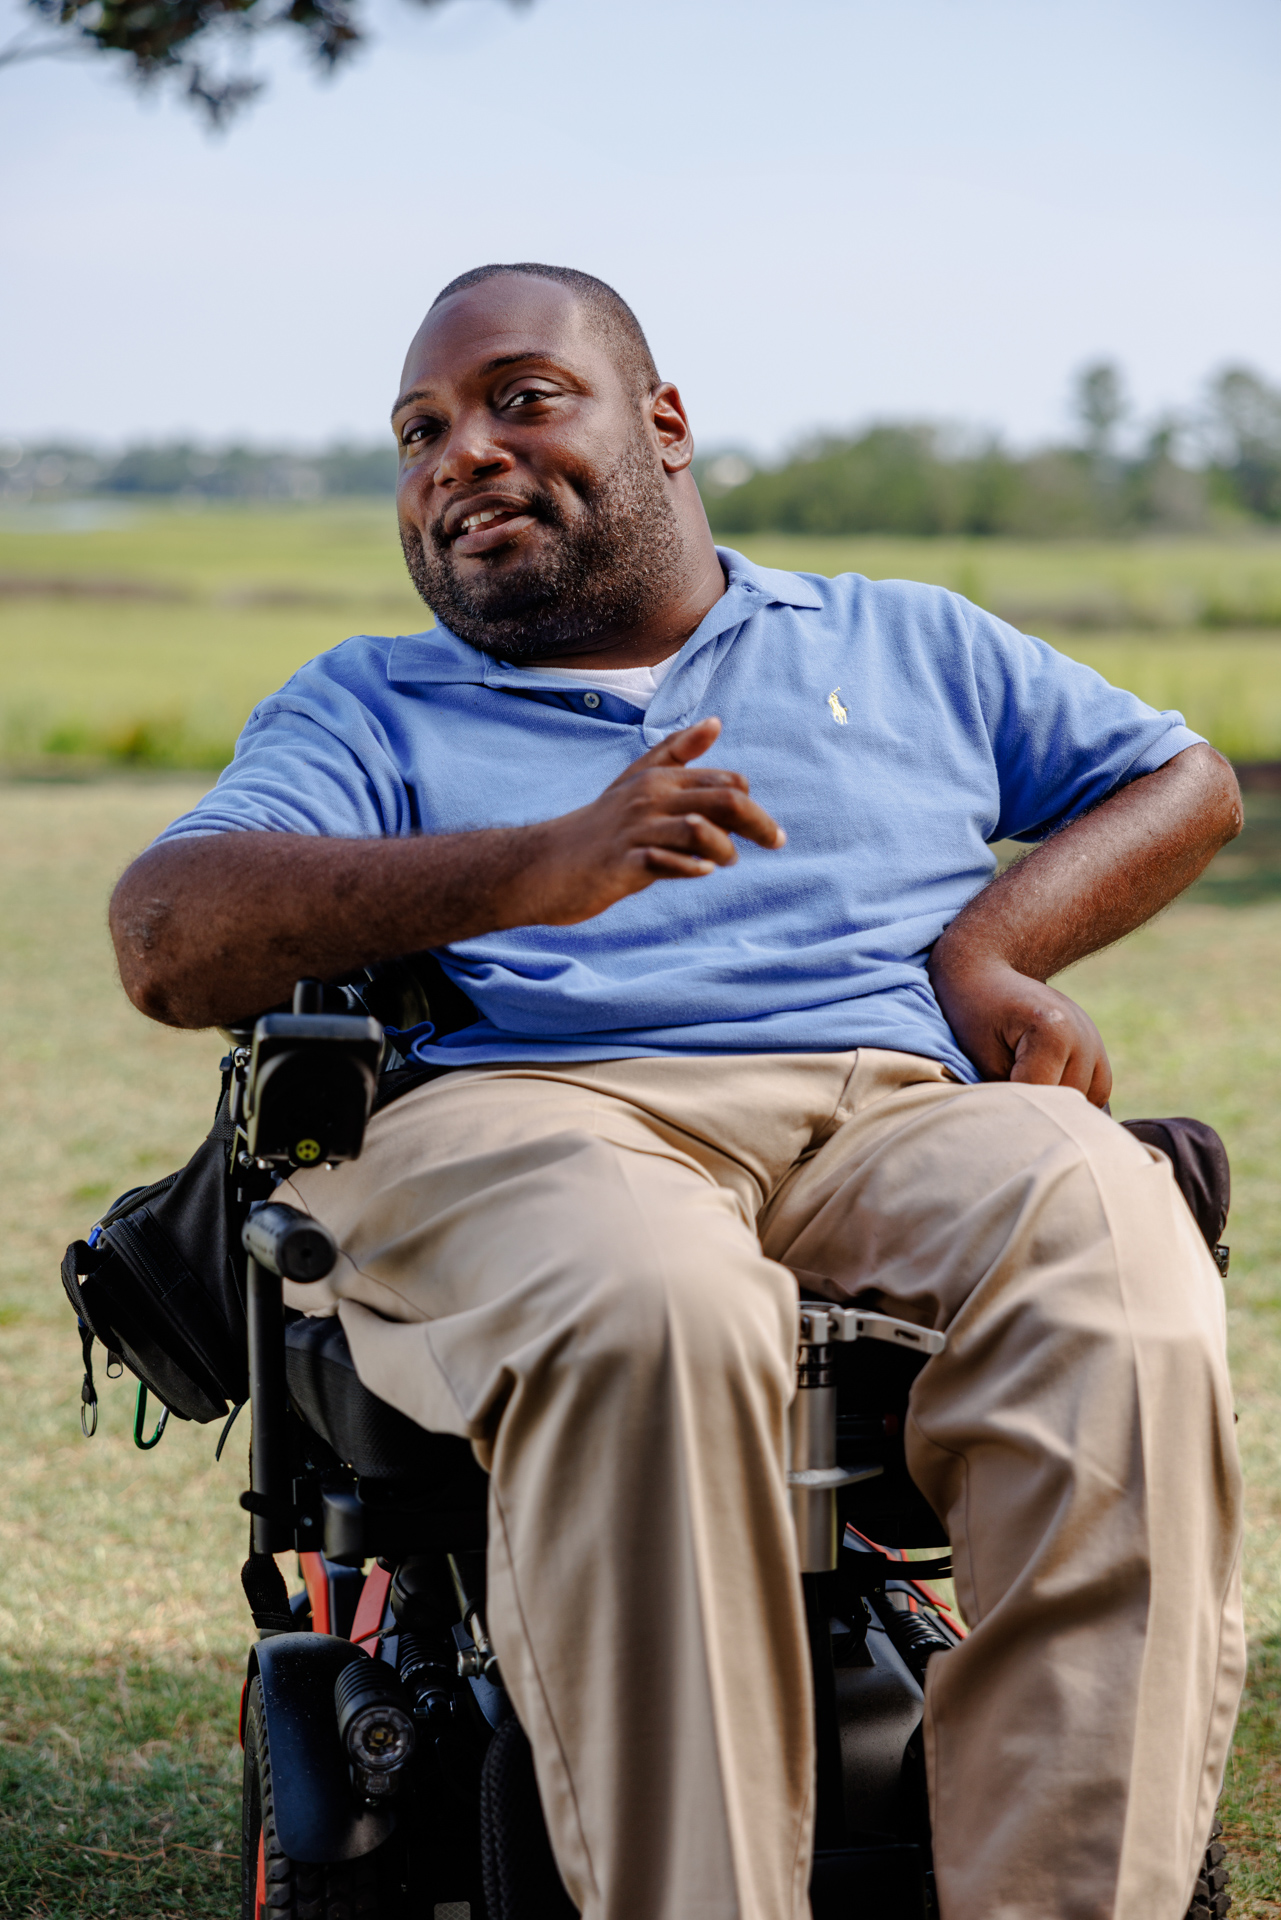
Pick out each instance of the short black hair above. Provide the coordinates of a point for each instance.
(609, 312)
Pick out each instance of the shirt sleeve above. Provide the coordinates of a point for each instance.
(293, 773)
(1062, 737)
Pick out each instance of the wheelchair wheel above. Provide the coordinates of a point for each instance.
(1210, 1897)
(274, 1887)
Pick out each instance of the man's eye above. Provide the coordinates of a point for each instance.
(526, 396)
(418, 430)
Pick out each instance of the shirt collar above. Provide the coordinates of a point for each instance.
(438, 657)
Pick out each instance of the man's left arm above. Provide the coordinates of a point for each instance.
(1089, 885)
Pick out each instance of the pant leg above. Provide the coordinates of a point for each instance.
(542, 1267)
(1076, 1439)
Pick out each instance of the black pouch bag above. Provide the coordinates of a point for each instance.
(161, 1279)
(160, 1282)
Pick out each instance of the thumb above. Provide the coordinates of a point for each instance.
(680, 748)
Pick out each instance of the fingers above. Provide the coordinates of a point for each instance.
(658, 783)
(665, 864)
(706, 829)
(732, 810)
(687, 848)
(694, 833)
(675, 752)
(1099, 1090)
(721, 798)
(1057, 1050)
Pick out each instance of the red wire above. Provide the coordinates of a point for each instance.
(927, 1593)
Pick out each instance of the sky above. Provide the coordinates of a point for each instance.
(824, 212)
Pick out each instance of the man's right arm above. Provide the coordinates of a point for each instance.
(210, 929)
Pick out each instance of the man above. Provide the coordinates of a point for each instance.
(707, 847)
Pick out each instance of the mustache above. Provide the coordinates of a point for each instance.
(539, 506)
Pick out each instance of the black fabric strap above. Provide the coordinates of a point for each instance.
(267, 1594)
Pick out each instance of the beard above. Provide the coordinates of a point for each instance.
(611, 566)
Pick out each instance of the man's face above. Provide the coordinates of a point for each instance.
(533, 502)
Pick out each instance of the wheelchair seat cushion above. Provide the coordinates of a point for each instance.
(377, 1440)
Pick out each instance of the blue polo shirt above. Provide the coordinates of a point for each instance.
(894, 730)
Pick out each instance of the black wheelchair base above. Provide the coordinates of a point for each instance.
(887, 1878)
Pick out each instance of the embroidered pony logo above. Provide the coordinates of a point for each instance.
(840, 714)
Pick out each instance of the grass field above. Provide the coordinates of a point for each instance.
(144, 637)
(122, 1629)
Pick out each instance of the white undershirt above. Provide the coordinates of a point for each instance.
(637, 685)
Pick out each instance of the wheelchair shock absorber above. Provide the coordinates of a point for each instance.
(814, 1477)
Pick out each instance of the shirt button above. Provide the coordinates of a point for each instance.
(591, 700)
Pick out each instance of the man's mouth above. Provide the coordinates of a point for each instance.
(485, 528)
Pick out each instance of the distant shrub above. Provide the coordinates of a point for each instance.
(149, 742)
(1220, 461)
(904, 480)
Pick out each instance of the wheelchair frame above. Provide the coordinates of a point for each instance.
(872, 1623)
(384, 1786)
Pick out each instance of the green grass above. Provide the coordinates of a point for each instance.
(129, 1779)
(122, 1627)
(146, 643)
(338, 551)
(122, 1631)
(142, 684)
(1086, 584)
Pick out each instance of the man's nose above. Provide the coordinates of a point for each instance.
(470, 453)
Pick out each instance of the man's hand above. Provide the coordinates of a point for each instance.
(1014, 1028)
(1088, 886)
(212, 929)
(661, 820)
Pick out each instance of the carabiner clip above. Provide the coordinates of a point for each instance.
(88, 1392)
(140, 1420)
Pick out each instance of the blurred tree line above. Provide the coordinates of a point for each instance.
(1217, 465)
(1184, 474)
(54, 470)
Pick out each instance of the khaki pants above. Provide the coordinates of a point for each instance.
(586, 1270)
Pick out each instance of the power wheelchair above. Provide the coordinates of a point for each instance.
(385, 1774)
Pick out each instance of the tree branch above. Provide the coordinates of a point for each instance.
(42, 50)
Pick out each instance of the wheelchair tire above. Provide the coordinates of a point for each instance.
(1210, 1897)
(274, 1887)
(520, 1876)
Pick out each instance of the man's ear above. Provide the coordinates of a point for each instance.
(670, 423)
